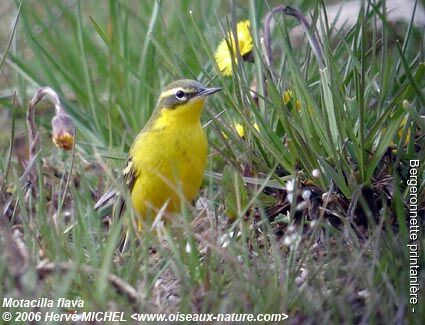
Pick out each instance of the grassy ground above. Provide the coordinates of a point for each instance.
(317, 185)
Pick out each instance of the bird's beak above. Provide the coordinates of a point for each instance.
(208, 91)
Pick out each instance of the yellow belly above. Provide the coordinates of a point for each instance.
(170, 165)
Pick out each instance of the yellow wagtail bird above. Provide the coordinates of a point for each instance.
(167, 160)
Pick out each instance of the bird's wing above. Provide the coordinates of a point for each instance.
(129, 173)
(113, 202)
(106, 198)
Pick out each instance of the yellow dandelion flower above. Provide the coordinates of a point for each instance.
(223, 56)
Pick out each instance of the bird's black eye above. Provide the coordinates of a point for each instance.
(180, 94)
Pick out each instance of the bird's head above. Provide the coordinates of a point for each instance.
(184, 98)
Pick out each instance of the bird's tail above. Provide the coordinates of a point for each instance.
(111, 206)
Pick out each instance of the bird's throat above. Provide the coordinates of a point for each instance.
(185, 114)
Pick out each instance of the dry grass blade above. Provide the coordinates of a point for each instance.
(47, 268)
(9, 43)
(63, 131)
(17, 255)
(312, 38)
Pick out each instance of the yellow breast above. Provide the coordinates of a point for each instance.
(169, 158)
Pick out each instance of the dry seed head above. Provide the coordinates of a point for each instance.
(63, 131)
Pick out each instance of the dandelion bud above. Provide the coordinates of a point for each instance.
(63, 131)
(316, 173)
(240, 130)
(287, 96)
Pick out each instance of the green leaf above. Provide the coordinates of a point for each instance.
(235, 193)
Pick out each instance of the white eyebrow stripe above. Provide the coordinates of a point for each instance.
(170, 92)
(174, 90)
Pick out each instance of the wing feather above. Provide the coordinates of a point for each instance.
(113, 197)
